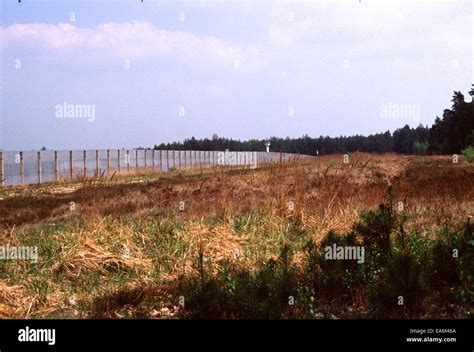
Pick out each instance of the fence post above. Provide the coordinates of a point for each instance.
(179, 159)
(128, 161)
(136, 161)
(108, 162)
(85, 163)
(174, 160)
(22, 169)
(153, 161)
(2, 173)
(39, 167)
(167, 160)
(190, 159)
(185, 159)
(144, 152)
(96, 171)
(56, 165)
(161, 161)
(70, 164)
(118, 161)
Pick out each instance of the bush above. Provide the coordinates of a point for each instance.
(240, 293)
(464, 243)
(468, 153)
(375, 226)
(420, 148)
(402, 279)
(397, 264)
(334, 278)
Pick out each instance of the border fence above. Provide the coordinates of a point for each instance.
(30, 167)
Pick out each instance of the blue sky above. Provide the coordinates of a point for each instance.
(163, 71)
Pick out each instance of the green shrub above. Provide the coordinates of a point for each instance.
(468, 153)
(375, 226)
(397, 264)
(442, 269)
(401, 279)
(239, 293)
(420, 147)
(464, 243)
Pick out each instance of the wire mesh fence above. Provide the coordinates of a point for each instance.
(29, 167)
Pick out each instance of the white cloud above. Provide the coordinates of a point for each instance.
(373, 28)
(285, 36)
(135, 40)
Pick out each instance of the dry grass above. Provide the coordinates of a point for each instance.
(127, 240)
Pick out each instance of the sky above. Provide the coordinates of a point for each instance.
(163, 71)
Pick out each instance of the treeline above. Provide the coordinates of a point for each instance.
(450, 134)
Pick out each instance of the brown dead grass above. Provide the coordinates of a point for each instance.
(323, 196)
(326, 194)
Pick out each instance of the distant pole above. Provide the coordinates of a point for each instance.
(185, 159)
(108, 162)
(118, 160)
(70, 164)
(96, 172)
(167, 160)
(56, 165)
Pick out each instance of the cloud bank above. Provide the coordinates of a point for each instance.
(136, 40)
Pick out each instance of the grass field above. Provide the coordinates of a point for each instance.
(241, 243)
